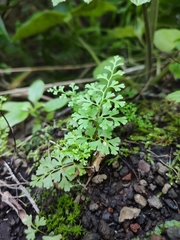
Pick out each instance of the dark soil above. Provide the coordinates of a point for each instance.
(100, 217)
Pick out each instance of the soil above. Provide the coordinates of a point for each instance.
(129, 182)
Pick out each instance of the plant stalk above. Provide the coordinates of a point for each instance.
(148, 63)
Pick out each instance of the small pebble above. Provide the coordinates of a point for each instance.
(159, 180)
(128, 213)
(162, 169)
(99, 178)
(155, 202)
(115, 164)
(91, 236)
(135, 227)
(152, 187)
(93, 206)
(139, 199)
(143, 182)
(171, 204)
(173, 233)
(172, 194)
(144, 166)
(166, 188)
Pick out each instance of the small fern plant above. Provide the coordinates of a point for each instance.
(96, 113)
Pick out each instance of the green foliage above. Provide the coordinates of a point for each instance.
(19, 111)
(139, 2)
(162, 227)
(34, 228)
(167, 39)
(62, 217)
(56, 2)
(3, 133)
(96, 113)
(175, 96)
(174, 167)
(38, 23)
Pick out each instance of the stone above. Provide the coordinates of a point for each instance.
(162, 169)
(127, 177)
(155, 202)
(91, 236)
(152, 187)
(171, 204)
(124, 171)
(93, 206)
(166, 188)
(143, 182)
(105, 231)
(173, 233)
(115, 188)
(139, 199)
(99, 178)
(128, 213)
(139, 188)
(135, 227)
(156, 237)
(115, 164)
(159, 180)
(172, 194)
(144, 166)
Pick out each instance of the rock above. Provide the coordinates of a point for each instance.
(155, 202)
(105, 231)
(107, 216)
(162, 169)
(124, 171)
(128, 213)
(115, 188)
(135, 227)
(115, 164)
(166, 188)
(143, 182)
(171, 204)
(156, 237)
(144, 166)
(152, 187)
(141, 219)
(139, 188)
(99, 178)
(86, 220)
(173, 233)
(150, 177)
(172, 194)
(128, 193)
(93, 206)
(159, 181)
(127, 177)
(91, 236)
(139, 199)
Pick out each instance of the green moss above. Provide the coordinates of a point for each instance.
(154, 122)
(62, 217)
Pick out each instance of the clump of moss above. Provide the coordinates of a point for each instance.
(63, 218)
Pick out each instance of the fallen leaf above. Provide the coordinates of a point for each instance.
(13, 203)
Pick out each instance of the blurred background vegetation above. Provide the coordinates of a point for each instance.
(36, 34)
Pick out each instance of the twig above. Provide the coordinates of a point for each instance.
(47, 68)
(65, 83)
(22, 188)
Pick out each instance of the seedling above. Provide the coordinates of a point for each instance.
(96, 113)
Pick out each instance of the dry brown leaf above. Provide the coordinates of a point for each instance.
(98, 159)
(13, 203)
